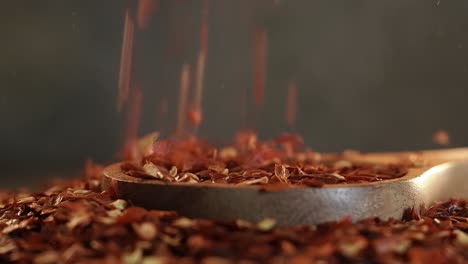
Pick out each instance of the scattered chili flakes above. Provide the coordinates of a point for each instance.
(74, 222)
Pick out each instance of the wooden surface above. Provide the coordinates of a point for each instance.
(443, 174)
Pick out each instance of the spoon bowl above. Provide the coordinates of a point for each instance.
(444, 174)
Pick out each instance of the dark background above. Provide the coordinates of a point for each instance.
(371, 75)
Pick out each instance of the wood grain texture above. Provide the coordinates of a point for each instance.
(444, 175)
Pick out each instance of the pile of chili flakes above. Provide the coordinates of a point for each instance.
(74, 222)
(283, 160)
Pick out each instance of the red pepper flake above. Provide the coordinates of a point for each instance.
(126, 61)
(260, 57)
(423, 256)
(312, 183)
(441, 137)
(204, 26)
(162, 147)
(195, 112)
(183, 96)
(194, 115)
(161, 112)
(131, 151)
(146, 9)
(291, 104)
(131, 214)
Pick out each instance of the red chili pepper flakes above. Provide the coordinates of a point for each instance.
(194, 115)
(183, 99)
(282, 160)
(259, 64)
(441, 137)
(70, 223)
(291, 104)
(130, 150)
(126, 61)
(145, 11)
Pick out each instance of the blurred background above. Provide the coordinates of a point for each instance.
(370, 75)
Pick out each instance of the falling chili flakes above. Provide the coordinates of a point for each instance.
(146, 9)
(204, 25)
(183, 96)
(161, 113)
(291, 104)
(441, 137)
(259, 64)
(131, 151)
(195, 112)
(125, 61)
(194, 115)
